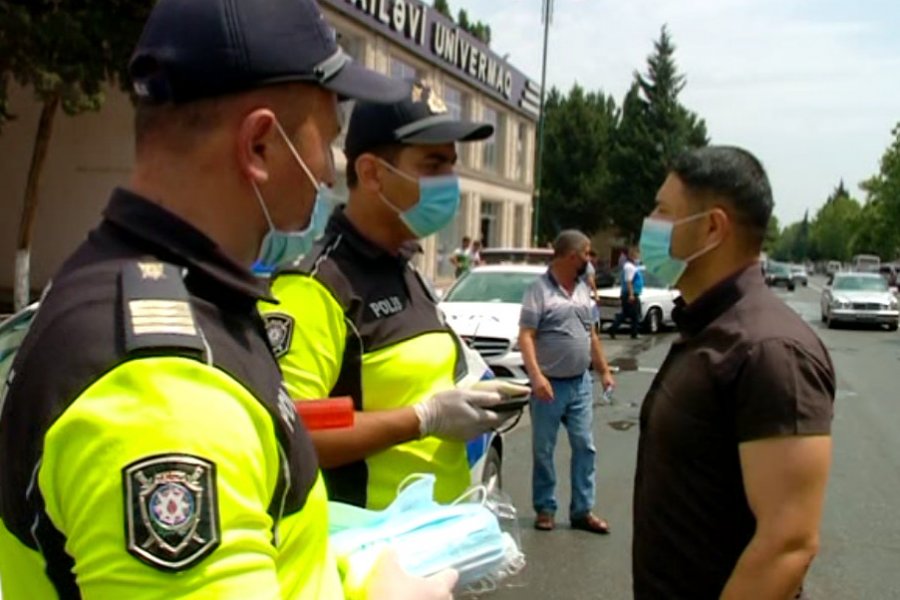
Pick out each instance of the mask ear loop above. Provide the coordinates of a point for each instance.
(262, 205)
(409, 480)
(479, 489)
(315, 183)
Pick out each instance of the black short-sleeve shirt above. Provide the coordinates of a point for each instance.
(746, 367)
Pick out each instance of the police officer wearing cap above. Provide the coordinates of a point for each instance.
(356, 318)
(147, 446)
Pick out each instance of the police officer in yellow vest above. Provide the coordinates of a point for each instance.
(356, 319)
(147, 445)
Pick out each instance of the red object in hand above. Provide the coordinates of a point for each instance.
(331, 413)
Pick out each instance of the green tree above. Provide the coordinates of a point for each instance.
(463, 19)
(875, 233)
(576, 174)
(655, 127)
(783, 247)
(65, 52)
(835, 226)
(773, 233)
(882, 212)
(442, 7)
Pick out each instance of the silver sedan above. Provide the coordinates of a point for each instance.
(859, 298)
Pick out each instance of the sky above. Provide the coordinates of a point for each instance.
(811, 87)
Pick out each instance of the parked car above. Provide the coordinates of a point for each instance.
(889, 272)
(859, 298)
(657, 302)
(483, 307)
(516, 256)
(779, 274)
(799, 275)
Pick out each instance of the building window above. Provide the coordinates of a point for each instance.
(490, 159)
(490, 224)
(521, 240)
(521, 151)
(402, 70)
(456, 102)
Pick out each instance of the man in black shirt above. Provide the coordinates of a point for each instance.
(735, 439)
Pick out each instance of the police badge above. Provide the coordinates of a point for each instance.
(171, 510)
(280, 330)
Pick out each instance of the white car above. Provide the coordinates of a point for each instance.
(483, 308)
(657, 302)
(859, 298)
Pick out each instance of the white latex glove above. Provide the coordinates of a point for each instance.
(505, 388)
(390, 582)
(458, 415)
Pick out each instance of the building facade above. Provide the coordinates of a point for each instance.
(92, 153)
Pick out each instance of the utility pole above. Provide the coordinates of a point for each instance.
(546, 19)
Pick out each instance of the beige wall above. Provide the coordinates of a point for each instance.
(88, 156)
(91, 154)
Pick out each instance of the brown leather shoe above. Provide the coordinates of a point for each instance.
(544, 522)
(591, 522)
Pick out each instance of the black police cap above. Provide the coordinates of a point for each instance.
(420, 118)
(192, 49)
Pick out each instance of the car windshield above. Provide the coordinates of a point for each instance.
(521, 257)
(11, 335)
(491, 286)
(798, 270)
(778, 270)
(860, 284)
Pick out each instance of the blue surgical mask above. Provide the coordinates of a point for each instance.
(427, 536)
(656, 249)
(437, 206)
(281, 248)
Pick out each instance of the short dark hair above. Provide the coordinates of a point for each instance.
(734, 174)
(387, 153)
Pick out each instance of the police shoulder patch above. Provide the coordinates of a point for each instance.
(171, 510)
(280, 330)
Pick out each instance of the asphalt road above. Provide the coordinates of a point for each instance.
(860, 554)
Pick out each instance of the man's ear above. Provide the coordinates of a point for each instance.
(368, 173)
(255, 140)
(719, 225)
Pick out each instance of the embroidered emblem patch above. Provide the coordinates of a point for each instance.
(171, 510)
(280, 330)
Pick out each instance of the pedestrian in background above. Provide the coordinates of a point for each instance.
(462, 257)
(476, 253)
(632, 287)
(559, 344)
(735, 443)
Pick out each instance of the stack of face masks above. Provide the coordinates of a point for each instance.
(428, 537)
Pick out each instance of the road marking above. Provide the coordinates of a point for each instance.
(816, 288)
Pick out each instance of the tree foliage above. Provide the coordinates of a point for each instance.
(67, 50)
(602, 163)
(576, 173)
(655, 128)
(443, 7)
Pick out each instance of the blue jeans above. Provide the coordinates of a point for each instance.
(572, 399)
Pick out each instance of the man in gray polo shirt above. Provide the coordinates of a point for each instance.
(559, 344)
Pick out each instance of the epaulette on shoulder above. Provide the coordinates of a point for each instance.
(156, 309)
